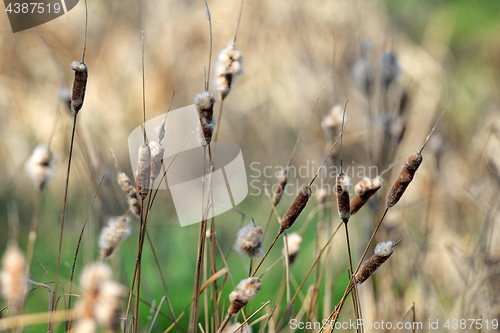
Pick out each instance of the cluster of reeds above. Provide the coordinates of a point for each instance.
(101, 301)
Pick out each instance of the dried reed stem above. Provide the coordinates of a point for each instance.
(73, 130)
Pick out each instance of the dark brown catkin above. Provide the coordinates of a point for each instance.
(404, 179)
(144, 170)
(134, 203)
(79, 85)
(364, 190)
(343, 185)
(204, 103)
(280, 187)
(382, 252)
(296, 208)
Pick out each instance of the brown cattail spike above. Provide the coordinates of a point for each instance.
(204, 103)
(280, 187)
(245, 292)
(296, 208)
(404, 179)
(382, 252)
(144, 170)
(79, 85)
(343, 184)
(364, 190)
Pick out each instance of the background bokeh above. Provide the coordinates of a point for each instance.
(449, 58)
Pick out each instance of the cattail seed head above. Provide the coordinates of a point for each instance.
(343, 184)
(85, 326)
(245, 292)
(322, 195)
(227, 67)
(40, 166)
(382, 252)
(233, 328)
(390, 69)
(13, 279)
(404, 179)
(298, 204)
(134, 203)
(280, 187)
(294, 241)
(101, 297)
(157, 152)
(79, 85)
(332, 122)
(204, 103)
(113, 234)
(144, 170)
(93, 277)
(107, 307)
(124, 182)
(364, 189)
(248, 241)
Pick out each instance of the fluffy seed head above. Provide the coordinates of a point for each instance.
(134, 205)
(343, 184)
(333, 120)
(144, 170)
(298, 204)
(204, 103)
(321, 195)
(248, 241)
(233, 327)
(13, 279)
(40, 166)
(227, 67)
(92, 279)
(157, 152)
(113, 234)
(245, 292)
(367, 184)
(85, 326)
(107, 307)
(364, 190)
(294, 241)
(382, 252)
(79, 85)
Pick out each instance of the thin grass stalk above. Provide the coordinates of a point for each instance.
(72, 140)
(201, 249)
(33, 231)
(280, 324)
(68, 325)
(287, 273)
(138, 265)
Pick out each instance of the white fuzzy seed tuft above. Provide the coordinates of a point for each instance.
(248, 241)
(245, 292)
(13, 279)
(384, 249)
(111, 236)
(227, 67)
(40, 166)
